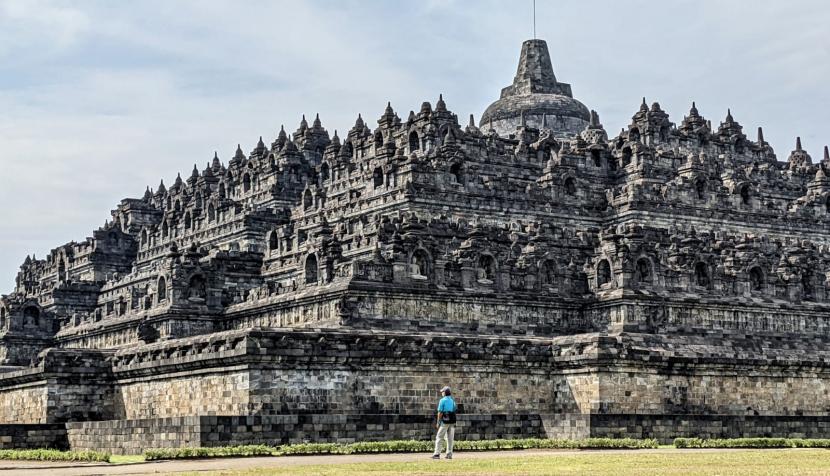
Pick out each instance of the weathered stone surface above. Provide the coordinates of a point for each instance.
(669, 281)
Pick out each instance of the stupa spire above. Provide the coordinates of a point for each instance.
(535, 72)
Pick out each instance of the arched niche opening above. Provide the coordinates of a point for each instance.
(634, 135)
(702, 275)
(596, 157)
(626, 156)
(570, 186)
(311, 269)
(377, 177)
(756, 279)
(197, 287)
(547, 273)
(419, 264)
(700, 189)
(62, 276)
(246, 183)
(807, 284)
(308, 200)
(273, 242)
(603, 273)
(161, 290)
(414, 141)
(31, 316)
(457, 173)
(745, 194)
(324, 172)
(642, 271)
(486, 268)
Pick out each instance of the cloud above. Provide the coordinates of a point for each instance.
(39, 26)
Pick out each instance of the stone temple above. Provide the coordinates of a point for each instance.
(669, 281)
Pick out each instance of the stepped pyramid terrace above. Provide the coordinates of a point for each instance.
(668, 281)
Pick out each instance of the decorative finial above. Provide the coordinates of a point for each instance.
(594, 119)
(729, 115)
(760, 135)
(472, 121)
(798, 143)
(826, 154)
(441, 106)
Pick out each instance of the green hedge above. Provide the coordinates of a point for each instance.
(396, 446)
(212, 452)
(751, 443)
(54, 455)
(413, 446)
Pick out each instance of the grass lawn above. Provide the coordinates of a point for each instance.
(714, 462)
(125, 459)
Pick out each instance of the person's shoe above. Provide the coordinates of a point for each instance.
(449, 456)
(436, 456)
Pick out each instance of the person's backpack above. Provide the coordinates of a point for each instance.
(449, 417)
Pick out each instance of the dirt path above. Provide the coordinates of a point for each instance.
(31, 468)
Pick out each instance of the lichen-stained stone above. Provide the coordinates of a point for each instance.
(671, 280)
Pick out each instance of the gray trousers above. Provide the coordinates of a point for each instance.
(445, 432)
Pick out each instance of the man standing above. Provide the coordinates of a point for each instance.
(445, 423)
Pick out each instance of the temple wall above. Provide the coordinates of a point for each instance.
(24, 404)
(134, 436)
(218, 392)
(477, 314)
(399, 390)
(276, 386)
(723, 391)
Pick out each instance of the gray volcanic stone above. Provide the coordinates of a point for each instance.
(536, 98)
(669, 281)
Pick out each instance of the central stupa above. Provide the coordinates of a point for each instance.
(538, 96)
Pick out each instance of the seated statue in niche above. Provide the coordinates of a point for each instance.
(196, 291)
(484, 275)
(418, 267)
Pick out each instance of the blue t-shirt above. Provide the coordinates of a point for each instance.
(446, 405)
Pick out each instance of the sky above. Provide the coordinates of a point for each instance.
(99, 99)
